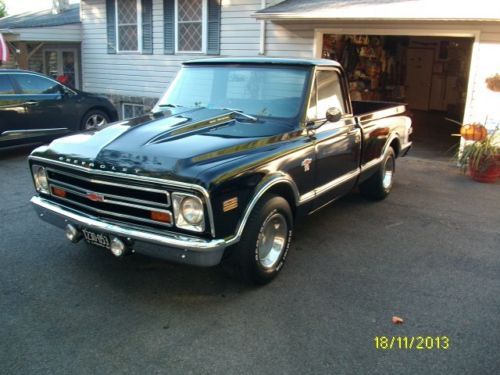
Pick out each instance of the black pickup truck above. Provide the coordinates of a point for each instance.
(221, 169)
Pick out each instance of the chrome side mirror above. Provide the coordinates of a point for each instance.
(333, 114)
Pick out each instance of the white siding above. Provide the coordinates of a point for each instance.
(149, 75)
(64, 33)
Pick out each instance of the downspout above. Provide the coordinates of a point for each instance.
(262, 42)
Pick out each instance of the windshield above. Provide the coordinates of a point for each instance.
(258, 91)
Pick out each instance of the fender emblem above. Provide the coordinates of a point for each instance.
(306, 163)
(95, 197)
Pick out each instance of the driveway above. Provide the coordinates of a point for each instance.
(430, 254)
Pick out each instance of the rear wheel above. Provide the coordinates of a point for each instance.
(379, 185)
(262, 250)
(94, 119)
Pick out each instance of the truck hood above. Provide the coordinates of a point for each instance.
(178, 144)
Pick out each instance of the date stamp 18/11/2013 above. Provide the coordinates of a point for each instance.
(412, 342)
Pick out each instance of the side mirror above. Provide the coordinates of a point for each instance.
(65, 92)
(333, 114)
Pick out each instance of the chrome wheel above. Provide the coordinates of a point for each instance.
(272, 240)
(95, 121)
(388, 173)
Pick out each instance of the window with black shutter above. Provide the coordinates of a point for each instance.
(192, 26)
(129, 26)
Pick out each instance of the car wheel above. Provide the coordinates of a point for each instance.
(379, 185)
(263, 247)
(94, 119)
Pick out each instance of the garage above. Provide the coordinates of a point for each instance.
(434, 56)
(430, 74)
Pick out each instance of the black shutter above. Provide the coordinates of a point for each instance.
(169, 26)
(213, 41)
(111, 25)
(147, 27)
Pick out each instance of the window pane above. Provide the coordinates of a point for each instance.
(132, 110)
(36, 85)
(127, 12)
(127, 38)
(329, 93)
(127, 25)
(51, 64)
(69, 68)
(190, 36)
(5, 85)
(190, 10)
(255, 90)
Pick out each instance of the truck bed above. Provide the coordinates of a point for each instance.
(366, 111)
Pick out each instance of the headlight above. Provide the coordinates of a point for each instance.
(40, 177)
(189, 212)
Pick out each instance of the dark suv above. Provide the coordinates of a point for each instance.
(35, 108)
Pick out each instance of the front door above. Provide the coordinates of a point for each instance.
(419, 63)
(337, 144)
(47, 109)
(62, 65)
(13, 114)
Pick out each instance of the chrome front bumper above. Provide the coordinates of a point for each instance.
(165, 245)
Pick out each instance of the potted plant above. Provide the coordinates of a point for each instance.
(482, 158)
(493, 82)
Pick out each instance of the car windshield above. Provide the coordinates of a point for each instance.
(253, 90)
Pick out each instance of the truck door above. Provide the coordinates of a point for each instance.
(337, 144)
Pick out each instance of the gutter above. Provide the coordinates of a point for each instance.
(262, 41)
(312, 17)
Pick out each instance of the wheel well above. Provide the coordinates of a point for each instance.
(98, 108)
(284, 190)
(395, 146)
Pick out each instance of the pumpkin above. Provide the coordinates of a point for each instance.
(493, 83)
(473, 132)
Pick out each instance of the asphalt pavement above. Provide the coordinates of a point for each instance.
(429, 254)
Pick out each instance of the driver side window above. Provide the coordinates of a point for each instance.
(327, 93)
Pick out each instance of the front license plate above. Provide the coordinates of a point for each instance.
(97, 239)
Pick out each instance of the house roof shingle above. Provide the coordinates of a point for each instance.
(42, 18)
(425, 10)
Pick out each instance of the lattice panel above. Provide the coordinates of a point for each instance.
(190, 36)
(127, 38)
(127, 12)
(190, 10)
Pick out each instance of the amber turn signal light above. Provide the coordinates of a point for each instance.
(58, 192)
(164, 217)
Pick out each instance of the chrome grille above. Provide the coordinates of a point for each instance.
(101, 197)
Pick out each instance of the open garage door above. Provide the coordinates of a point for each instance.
(430, 74)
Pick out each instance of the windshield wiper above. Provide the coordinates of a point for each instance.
(240, 112)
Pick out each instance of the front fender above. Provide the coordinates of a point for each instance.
(247, 191)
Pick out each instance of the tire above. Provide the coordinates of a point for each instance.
(94, 119)
(379, 185)
(256, 259)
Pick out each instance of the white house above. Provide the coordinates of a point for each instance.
(434, 55)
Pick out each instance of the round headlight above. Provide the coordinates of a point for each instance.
(41, 180)
(192, 210)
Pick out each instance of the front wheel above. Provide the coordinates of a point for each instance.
(379, 185)
(262, 250)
